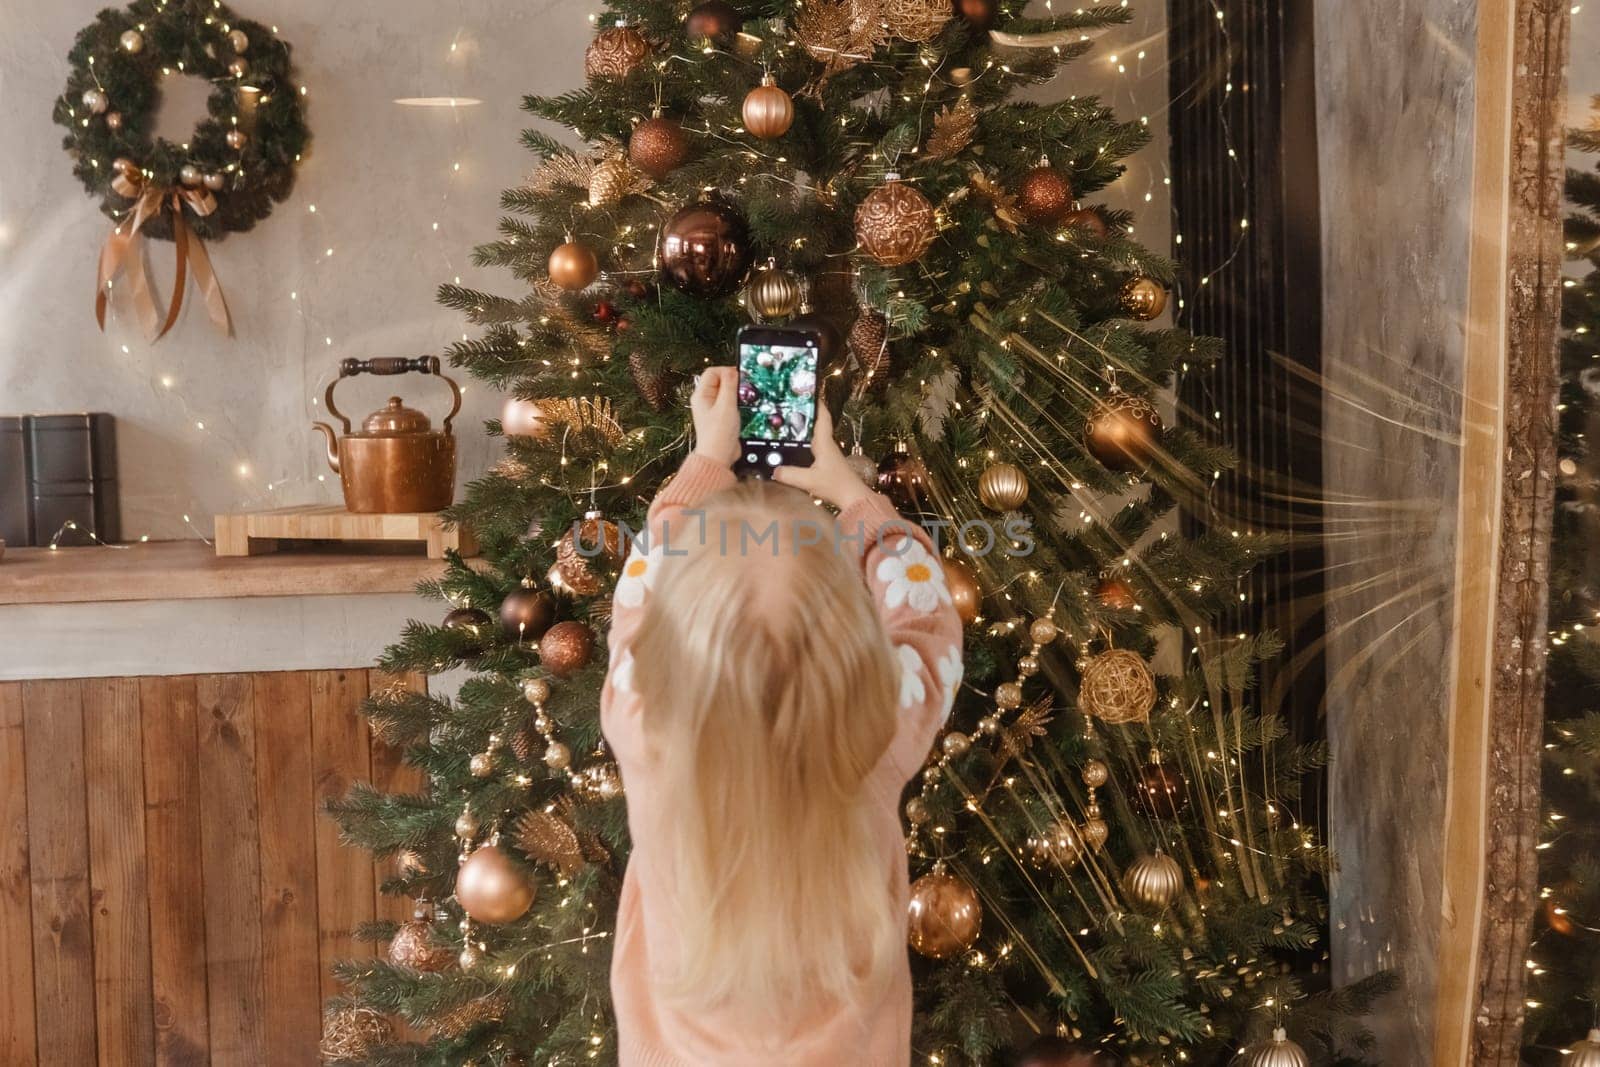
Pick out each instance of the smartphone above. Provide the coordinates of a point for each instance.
(778, 393)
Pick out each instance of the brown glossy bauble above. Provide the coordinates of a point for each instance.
(705, 248)
(979, 14)
(713, 20)
(492, 888)
(768, 111)
(1045, 195)
(414, 947)
(903, 479)
(472, 623)
(1142, 298)
(615, 53)
(1123, 432)
(1161, 791)
(1116, 593)
(1003, 487)
(945, 915)
(1556, 917)
(1153, 881)
(586, 552)
(1088, 220)
(658, 146)
(526, 613)
(573, 266)
(895, 224)
(566, 648)
(965, 593)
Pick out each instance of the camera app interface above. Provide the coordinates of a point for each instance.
(777, 393)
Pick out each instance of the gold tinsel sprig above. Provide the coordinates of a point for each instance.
(462, 1018)
(548, 838)
(577, 171)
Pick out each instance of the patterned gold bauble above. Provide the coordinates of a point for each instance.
(1123, 432)
(895, 223)
(351, 1034)
(573, 266)
(1057, 845)
(615, 53)
(566, 648)
(413, 946)
(609, 182)
(1003, 487)
(869, 343)
(583, 553)
(768, 111)
(1117, 687)
(1142, 298)
(1585, 1053)
(945, 915)
(1008, 696)
(1044, 195)
(773, 293)
(1153, 881)
(1279, 1051)
(658, 146)
(492, 888)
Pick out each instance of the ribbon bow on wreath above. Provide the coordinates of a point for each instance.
(122, 251)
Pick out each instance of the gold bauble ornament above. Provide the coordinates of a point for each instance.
(238, 67)
(566, 648)
(956, 744)
(1153, 881)
(1042, 631)
(1585, 1053)
(492, 888)
(1117, 687)
(481, 765)
(236, 139)
(945, 915)
(536, 690)
(1279, 1051)
(556, 756)
(583, 553)
(466, 824)
(239, 41)
(1143, 298)
(1057, 845)
(95, 100)
(895, 224)
(768, 111)
(213, 181)
(1008, 695)
(132, 42)
(353, 1033)
(1094, 830)
(414, 947)
(1123, 432)
(658, 146)
(615, 53)
(772, 293)
(1003, 487)
(609, 182)
(1096, 774)
(917, 811)
(1044, 195)
(573, 266)
(965, 594)
(114, 121)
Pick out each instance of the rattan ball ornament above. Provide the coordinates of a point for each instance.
(1123, 432)
(1003, 487)
(1585, 1053)
(944, 916)
(615, 53)
(352, 1033)
(413, 946)
(773, 294)
(1117, 687)
(768, 111)
(895, 224)
(1142, 298)
(1153, 881)
(573, 266)
(1279, 1051)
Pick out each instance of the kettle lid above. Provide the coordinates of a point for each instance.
(395, 419)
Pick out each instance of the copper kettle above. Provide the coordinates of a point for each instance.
(397, 462)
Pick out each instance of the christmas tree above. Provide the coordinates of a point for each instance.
(1104, 854)
(1564, 962)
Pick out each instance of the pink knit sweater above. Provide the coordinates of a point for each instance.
(907, 583)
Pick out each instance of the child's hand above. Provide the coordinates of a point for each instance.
(829, 477)
(715, 406)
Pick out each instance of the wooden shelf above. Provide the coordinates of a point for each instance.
(190, 570)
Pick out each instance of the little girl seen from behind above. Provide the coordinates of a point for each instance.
(777, 676)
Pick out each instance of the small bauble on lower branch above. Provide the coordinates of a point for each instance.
(1142, 298)
(1117, 687)
(526, 613)
(945, 914)
(615, 53)
(659, 146)
(895, 223)
(1153, 881)
(705, 248)
(491, 887)
(1279, 1051)
(1123, 432)
(566, 648)
(573, 266)
(768, 111)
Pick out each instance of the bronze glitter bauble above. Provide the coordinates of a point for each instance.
(902, 478)
(573, 266)
(1153, 881)
(1142, 298)
(492, 888)
(768, 111)
(1123, 432)
(1003, 487)
(658, 146)
(1279, 1051)
(1161, 791)
(1088, 220)
(471, 622)
(705, 248)
(772, 294)
(1044, 195)
(566, 648)
(895, 223)
(1117, 687)
(713, 20)
(966, 596)
(615, 53)
(945, 915)
(979, 14)
(526, 613)
(869, 343)
(1116, 593)
(414, 947)
(584, 553)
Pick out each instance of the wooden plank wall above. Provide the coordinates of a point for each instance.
(170, 891)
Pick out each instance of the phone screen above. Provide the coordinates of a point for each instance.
(777, 397)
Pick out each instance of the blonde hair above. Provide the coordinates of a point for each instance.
(769, 693)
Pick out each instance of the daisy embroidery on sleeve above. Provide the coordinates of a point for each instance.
(638, 575)
(950, 672)
(912, 691)
(913, 577)
(622, 674)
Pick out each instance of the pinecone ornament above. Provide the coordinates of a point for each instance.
(869, 343)
(656, 386)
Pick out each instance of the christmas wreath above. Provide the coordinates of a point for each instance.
(224, 177)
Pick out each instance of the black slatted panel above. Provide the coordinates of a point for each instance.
(1245, 82)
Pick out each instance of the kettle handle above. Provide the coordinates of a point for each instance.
(349, 368)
